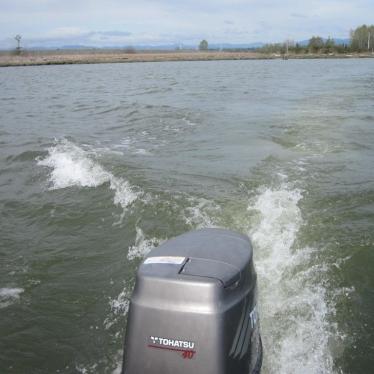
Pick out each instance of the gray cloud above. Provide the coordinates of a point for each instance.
(113, 33)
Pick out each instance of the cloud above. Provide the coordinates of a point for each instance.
(66, 33)
(298, 15)
(125, 22)
(75, 36)
(114, 33)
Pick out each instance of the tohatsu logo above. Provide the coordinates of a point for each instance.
(172, 342)
(185, 347)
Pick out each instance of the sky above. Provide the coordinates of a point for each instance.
(56, 23)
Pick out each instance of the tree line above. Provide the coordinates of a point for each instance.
(316, 44)
(361, 40)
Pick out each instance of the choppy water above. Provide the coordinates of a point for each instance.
(99, 163)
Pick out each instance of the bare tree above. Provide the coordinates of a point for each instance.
(18, 39)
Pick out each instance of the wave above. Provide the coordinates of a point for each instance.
(73, 166)
(142, 245)
(8, 296)
(292, 298)
(26, 156)
(130, 144)
(119, 307)
(200, 213)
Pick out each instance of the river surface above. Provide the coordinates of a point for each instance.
(100, 163)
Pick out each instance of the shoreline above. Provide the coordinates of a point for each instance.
(34, 58)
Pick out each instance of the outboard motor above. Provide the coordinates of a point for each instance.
(194, 308)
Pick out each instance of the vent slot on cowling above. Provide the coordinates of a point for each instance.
(242, 336)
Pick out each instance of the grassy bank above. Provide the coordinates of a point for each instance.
(117, 56)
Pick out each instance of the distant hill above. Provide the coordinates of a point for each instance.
(173, 47)
(236, 46)
(169, 47)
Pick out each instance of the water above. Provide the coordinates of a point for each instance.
(100, 163)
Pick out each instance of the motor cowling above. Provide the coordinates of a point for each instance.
(194, 308)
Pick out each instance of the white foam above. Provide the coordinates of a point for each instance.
(199, 214)
(276, 232)
(142, 245)
(130, 145)
(121, 303)
(118, 360)
(118, 307)
(188, 122)
(8, 296)
(87, 370)
(293, 304)
(72, 166)
(126, 142)
(142, 151)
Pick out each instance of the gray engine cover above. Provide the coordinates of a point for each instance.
(193, 309)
